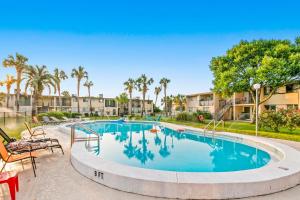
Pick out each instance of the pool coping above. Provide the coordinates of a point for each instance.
(274, 177)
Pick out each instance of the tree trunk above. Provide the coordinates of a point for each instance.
(59, 98)
(7, 98)
(143, 104)
(89, 90)
(156, 100)
(130, 103)
(78, 88)
(34, 105)
(19, 79)
(260, 101)
(165, 92)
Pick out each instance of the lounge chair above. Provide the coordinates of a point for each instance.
(149, 118)
(36, 132)
(54, 119)
(69, 119)
(9, 139)
(12, 157)
(47, 121)
(33, 145)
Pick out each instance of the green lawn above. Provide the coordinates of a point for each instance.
(244, 128)
(15, 126)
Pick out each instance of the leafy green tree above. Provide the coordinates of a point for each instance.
(59, 75)
(157, 91)
(164, 83)
(38, 78)
(10, 80)
(79, 74)
(143, 83)
(19, 62)
(130, 85)
(271, 63)
(88, 85)
(122, 100)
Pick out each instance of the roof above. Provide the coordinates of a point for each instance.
(198, 94)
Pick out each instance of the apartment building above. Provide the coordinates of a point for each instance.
(241, 106)
(101, 106)
(206, 101)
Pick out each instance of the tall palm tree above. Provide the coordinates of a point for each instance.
(79, 74)
(38, 78)
(168, 102)
(59, 75)
(130, 85)
(157, 91)
(164, 83)
(180, 101)
(88, 84)
(122, 99)
(143, 83)
(19, 62)
(10, 80)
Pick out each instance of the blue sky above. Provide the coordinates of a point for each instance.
(115, 40)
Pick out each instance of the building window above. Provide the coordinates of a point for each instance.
(289, 88)
(270, 107)
(74, 99)
(110, 103)
(85, 100)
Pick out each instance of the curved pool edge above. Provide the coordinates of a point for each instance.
(274, 177)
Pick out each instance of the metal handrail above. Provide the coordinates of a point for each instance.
(206, 127)
(83, 139)
(216, 125)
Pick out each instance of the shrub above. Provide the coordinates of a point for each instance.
(184, 116)
(56, 114)
(205, 114)
(292, 119)
(67, 114)
(75, 115)
(281, 118)
(272, 119)
(41, 115)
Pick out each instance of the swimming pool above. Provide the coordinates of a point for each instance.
(183, 165)
(135, 145)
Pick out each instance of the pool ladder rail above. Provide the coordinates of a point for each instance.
(215, 124)
(96, 136)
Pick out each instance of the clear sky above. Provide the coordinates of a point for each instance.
(115, 40)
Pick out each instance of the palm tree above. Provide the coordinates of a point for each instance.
(79, 74)
(130, 85)
(10, 80)
(19, 63)
(65, 94)
(142, 83)
(168, 102)
(157, 91)
(180, 101)
(58, 77)
(122, 99)
(88, 84)
(38, 78)
(164, 83)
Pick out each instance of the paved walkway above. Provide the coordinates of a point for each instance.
(57, 180)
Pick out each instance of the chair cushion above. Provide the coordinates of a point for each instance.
(25, 145)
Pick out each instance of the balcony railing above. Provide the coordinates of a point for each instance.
(243, 100)
(206, 103)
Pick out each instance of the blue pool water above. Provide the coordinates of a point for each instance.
(134, 145)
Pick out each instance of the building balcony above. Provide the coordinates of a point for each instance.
(206, 103)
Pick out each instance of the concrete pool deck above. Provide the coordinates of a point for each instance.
(57, 179)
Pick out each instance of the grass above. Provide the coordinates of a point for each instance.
(244, 128)
(14, 127)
